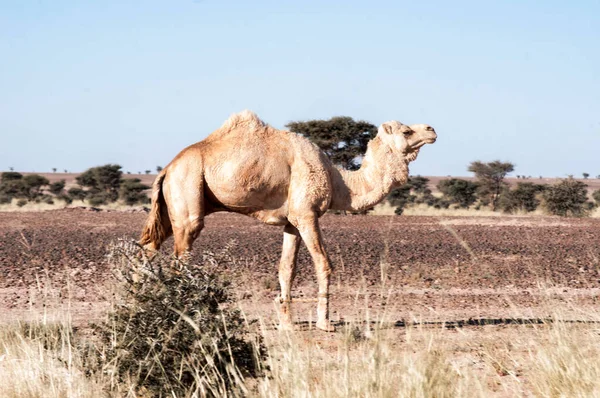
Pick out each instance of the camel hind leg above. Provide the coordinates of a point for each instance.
(185, 197)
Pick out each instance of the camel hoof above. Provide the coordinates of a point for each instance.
(325, 326)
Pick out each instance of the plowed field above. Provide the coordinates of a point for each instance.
(441, 268)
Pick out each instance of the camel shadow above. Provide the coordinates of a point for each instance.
(452, 324)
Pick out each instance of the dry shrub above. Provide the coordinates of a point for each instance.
(172, 332)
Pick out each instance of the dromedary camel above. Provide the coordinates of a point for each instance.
(280, 178)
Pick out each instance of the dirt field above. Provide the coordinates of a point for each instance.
(450, 268)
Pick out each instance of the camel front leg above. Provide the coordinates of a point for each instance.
(311, 235)
(287, 271)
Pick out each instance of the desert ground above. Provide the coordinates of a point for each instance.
(470, 282)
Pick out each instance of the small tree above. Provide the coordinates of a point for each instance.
(461, 192)
(54, 169)
(490, 177)
(158, 169)
(11, 168)
(567, 198)
(342, 138)
(147, 171)
(585, 176)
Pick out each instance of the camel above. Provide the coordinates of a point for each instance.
(279, 178)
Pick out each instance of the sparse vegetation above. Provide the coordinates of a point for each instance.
(567, 198)
(459, 192)
(104, 184)
(525, 197)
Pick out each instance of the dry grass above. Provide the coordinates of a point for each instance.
(40, 360)
(557, 358)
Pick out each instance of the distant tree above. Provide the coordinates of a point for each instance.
(132, 191)
(586, 175)
(102, 182)
(11, 168)
(158, 169)
(65, 170)
(567, 198)
(490, 178)
(598, 177)
(77, 193)
(524, 197)
(147, 171)
(129, 172)
(342, 138)
(57, 187)
(458, 191)
(54, 169)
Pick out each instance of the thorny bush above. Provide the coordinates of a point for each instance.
(173, 331)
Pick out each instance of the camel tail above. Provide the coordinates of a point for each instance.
(158, 226)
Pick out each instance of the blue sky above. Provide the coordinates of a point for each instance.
(133, 82)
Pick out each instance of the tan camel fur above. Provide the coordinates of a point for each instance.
(280, 178)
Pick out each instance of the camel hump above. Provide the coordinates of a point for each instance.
(246, 119)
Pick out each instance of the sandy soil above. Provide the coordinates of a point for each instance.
(428, 268)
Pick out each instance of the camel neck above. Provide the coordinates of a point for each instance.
(380, 172)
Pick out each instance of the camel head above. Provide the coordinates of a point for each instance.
(406, 140)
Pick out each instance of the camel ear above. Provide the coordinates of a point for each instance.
(385, 128)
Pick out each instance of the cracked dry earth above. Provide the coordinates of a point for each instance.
(429, 269)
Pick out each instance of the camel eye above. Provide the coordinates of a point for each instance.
(408, 133)
(429, 128)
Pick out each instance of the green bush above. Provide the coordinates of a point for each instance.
(10, 176)
(567, 198)
(173, 331)
(5, 199)
(524, 197)
(99, 198)
(21, 202)
(458, 191)
(77, 193)
(132, 191)
(56, 188)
